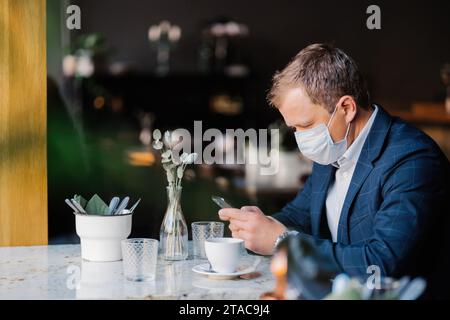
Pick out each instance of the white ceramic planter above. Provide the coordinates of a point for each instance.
(100, 236)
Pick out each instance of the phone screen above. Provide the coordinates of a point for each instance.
(221, 202)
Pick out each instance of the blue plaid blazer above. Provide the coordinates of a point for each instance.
(397, 198)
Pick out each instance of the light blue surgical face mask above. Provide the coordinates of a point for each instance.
(317, 144)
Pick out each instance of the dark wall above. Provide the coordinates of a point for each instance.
(402, 60)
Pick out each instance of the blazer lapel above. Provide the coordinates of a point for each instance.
(319, 192)
(370, 151)
(362, 170)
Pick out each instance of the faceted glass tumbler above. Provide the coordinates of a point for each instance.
(203, 230)
(139, 259)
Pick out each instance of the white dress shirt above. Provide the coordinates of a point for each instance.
(346, 165)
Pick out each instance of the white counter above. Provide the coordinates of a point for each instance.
(58, 272)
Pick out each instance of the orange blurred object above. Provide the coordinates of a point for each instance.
(278, 267)
(141, 158)
(99, 102)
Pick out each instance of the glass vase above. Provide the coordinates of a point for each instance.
(174, 232)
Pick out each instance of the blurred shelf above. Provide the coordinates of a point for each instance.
(426, 113)
(175, 100)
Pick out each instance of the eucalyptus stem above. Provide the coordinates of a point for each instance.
(174, 226)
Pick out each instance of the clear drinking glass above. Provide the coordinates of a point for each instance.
(203, 230)
(139, 259)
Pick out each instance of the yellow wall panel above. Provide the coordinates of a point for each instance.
(23, 150)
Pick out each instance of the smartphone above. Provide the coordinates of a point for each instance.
(221, 202)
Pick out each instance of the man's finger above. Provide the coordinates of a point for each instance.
(231, 213)
(224, 217)
(244, 235)
(240, 234)
(233, 228)
(235, 234)
(250, 209)
(238, 224)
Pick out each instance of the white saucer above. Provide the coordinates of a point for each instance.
(203, 269)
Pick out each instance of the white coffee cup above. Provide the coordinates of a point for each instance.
(224, 254)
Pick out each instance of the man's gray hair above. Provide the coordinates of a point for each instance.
(326, 73)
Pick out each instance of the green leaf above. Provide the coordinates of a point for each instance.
(82, 201)
(170, 176)
(184, 157)
(158, 145)
(167, 154)
(347, 294)
(96, 206)
(157, 134)
(168, 138)
(180, 172)
(168, 165)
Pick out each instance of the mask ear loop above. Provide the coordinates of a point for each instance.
(346, 133)
(332, 116)
(348, 127)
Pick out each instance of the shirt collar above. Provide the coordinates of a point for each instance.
(351, 155)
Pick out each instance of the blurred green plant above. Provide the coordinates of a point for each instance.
(93, 42)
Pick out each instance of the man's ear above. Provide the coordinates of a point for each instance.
(347, 104)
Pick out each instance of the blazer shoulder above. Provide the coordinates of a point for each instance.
(404, 138)
(411, 150)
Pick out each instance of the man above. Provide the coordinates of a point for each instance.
(378, 185)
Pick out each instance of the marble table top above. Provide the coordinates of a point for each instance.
(58, 272)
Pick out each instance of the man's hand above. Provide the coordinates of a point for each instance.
(251, 225)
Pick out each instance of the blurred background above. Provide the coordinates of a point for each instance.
(139, 65)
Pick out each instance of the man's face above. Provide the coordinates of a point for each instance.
(300, 113)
